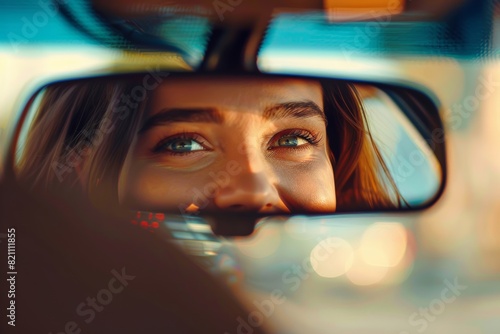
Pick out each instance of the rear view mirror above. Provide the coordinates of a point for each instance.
(191, 143)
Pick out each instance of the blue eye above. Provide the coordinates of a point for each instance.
(291, 141)
(183, 145)
(295, 138)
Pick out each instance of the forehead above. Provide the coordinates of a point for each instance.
(234, 93)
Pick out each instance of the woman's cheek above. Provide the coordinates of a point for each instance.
(154, 188)
(146, 185)
(308, 186)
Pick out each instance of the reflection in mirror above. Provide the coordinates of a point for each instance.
(191, 144)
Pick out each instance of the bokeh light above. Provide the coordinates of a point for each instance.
(363, 274)
(383, 244)
(332, 257)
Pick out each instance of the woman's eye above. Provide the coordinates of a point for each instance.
(294, 139)
(184, 145)
(291, 141)
(180, 145)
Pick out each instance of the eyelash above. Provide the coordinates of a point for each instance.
(311, 138)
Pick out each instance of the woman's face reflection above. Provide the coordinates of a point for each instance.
(231, 144)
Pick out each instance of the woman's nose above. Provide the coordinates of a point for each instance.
(249, 190)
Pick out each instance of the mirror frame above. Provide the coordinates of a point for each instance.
(417, 104)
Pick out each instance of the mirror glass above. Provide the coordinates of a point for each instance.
(189, 144)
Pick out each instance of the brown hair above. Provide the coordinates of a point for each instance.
(362, 179)
(87, 126)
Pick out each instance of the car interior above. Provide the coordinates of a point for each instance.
(236, 166)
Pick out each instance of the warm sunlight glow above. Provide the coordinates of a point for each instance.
(332, 257)
(383, 244)
(363, 274)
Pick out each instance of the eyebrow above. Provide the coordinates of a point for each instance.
(300, 109)
(191, 115)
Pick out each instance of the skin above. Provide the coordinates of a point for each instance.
(231, 146)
